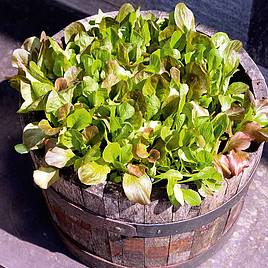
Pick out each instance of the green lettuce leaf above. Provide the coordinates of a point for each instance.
(137, 189)
(93, 173)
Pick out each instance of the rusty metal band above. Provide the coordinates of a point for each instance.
(95, 261)
(129, 229)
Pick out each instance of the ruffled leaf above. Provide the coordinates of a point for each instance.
(140, 150)
(237, 161)
(184, 18)
(79, 119)
(191, 197)
(73, 29)
(47, 129)
(255, 132)
(45, 176)
(239, 141)
(32, 136)
(178, 193)
(137, 189)
(93, 173)
(111, 152)
(58, 157)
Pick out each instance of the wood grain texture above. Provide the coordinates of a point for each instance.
(99, 239)
(233, 215)
(232, 186)
(249, 66)
(248, 172)
(156, 249)
(204, 237)
(180, 245)
(93, 198)
(111, 198)
(133, 248)
(69, 190)
(69, 223)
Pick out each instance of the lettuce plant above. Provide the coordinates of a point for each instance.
(138, 100)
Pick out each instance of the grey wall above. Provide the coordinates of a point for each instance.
(258, 32)
(225, 15)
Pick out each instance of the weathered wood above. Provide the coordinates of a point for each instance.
(248, 171)
(133, 248)
(233, 216)
(156, 249)
(69, 190)
(111, 197)
(218, 228)
(90, 259)
(232, 186)
(69, 224)
(206, 235)
(260, 86)
(212, 202)
(180, 245)
(249, 66)
(93, 201)
(133, 252)
(93, 198)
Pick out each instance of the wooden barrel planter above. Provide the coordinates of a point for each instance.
(101, 227)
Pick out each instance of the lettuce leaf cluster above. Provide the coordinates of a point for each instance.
(138, 100)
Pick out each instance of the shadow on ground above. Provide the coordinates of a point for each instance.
(21, 19)
(22, 209)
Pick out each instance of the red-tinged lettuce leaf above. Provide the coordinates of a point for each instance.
(255, 131)
(20, 58)
(238, 160)
(236, 112)
(91, 135)
(136, 170)
(197, 81)
(72, 30)
(114, 74)
(154, 155)
(61, 84)
(261, 106)
(47, 129)
(58, 157)
(221, 163)
(239, 141)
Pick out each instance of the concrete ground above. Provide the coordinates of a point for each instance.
(27, 239)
